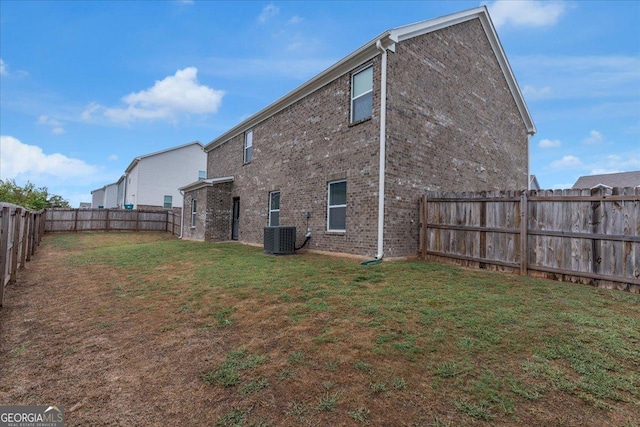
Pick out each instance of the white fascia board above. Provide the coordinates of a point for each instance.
(205, 183)
(601, 186)
(355, 59)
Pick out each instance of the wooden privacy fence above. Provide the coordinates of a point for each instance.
(112, 220)
(585, 236)
(20, 232)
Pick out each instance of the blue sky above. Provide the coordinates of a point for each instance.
(88, 86)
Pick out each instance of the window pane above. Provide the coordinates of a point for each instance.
(362, 107)
(275, 200)
(363, 82)
(338, 218)
(274, 219)
(248, 154)
(202, 174)
(338, 193)
(248, 139)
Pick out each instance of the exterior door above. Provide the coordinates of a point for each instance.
(235, 219)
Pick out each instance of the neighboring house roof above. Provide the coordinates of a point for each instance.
(135, 161)
(104, 188)
(205, 183)
(533, 183)
(388, 39)
(610, 180)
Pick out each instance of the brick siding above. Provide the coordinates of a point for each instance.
(452, 124)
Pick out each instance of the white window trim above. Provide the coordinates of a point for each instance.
(274, 210)
(353, 76)
(193, 213)
(245, 146)
(329, 206)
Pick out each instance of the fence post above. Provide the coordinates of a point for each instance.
(17, 214)
(596, 247)
(483, 234)
(524, 224)
(31, 222)
(4, 243)
(25, 239)
(422, 226)
(107, 221)
(75, 221)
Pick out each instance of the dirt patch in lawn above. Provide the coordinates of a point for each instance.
(143, 342)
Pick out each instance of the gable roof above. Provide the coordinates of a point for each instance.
(370, 50)
(135, 161)
(611, 180)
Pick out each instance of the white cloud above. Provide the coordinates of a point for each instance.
(567, 162)
(603, 76)
(167, 98)
(594, 138)
(526, 13)
(295, 19)
(56, 125)
(268, 12)
(19, 159)
(301, 69)
(113, 158)
(536, 92)
(603, 171)
(549, 143)
(3, 68)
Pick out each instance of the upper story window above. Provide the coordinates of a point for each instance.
(337, 206)
(193, 212)
(362, 94)
(202, 175)
(274, 209)
(168, 202)
(248, 146)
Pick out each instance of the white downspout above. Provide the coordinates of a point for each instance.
(529, 136)
(383, 146)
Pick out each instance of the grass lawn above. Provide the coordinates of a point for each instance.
(143, 329)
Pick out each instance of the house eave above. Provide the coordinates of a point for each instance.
(205, 183)
(355, 59)
(388, 39)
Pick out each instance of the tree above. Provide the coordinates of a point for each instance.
(29, 196)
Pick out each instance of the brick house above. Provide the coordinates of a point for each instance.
(347, 155)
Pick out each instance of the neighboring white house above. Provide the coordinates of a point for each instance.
(111, 196)
(105, 197)
(152, 181)
(97, 198)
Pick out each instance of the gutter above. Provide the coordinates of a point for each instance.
(383, 147)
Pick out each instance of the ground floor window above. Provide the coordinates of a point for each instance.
(168, 202)
(337, 206)
(274, 209)
(193, 212)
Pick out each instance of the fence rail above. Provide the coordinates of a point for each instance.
(586, 236)
(112, 220)
(20, 233)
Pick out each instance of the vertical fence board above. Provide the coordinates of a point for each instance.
(575, 235)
